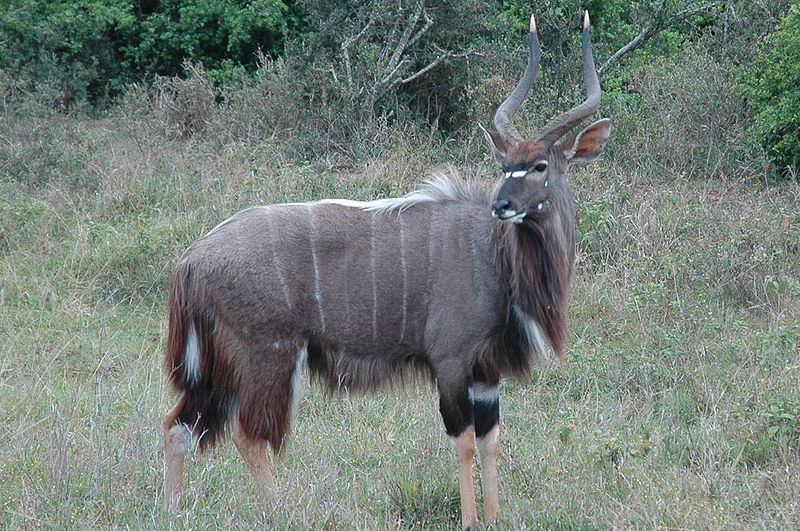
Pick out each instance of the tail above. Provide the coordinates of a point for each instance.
(192, 363)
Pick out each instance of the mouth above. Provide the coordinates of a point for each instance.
(510, 216)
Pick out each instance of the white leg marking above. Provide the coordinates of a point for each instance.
(485, 393)
(297, 378)
(275, 260)
(181, 437)
(374, 283)
(317, 288)
(191, 356)
(405, 277)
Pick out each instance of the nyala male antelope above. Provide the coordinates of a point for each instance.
(466, 285)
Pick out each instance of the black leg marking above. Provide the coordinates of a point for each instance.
(486, 407)
(487, 415)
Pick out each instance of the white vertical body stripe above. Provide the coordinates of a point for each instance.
(474, 254)
(191, 356)
(317, 287)
(284, 285)
(405, 277)
(372, 274)
(431, 245)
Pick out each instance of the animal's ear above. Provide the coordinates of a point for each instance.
(499, 148)
(589, 143)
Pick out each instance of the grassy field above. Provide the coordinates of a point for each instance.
(678, 405)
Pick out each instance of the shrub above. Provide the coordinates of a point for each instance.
(772, 89)
(188, 104)
(219, 33)
(680, 117)
(73, 51)
(62, 51)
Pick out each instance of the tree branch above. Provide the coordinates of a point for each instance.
(406, 40)
(391, 70)
(346, 52)
(660, 24)
(423, 29)
(446, 54)
(397, 61)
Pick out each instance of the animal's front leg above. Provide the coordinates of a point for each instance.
(455, 405)
(465, 451)
(487, 430)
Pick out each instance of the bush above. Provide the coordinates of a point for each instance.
(187, 104)
(222, 34)
(75, 50)
(681, 117)
(771, 87)
(62, 51)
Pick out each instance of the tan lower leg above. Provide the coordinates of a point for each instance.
(254, 453)
(177, 440)
(487, 446)
(465, 451)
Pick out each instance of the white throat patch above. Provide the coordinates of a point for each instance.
(535, 335)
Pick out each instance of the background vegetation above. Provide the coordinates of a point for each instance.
(679, 403)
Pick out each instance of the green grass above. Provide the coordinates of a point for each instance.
(678, 405)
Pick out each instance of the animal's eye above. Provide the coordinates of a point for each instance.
(540, 167)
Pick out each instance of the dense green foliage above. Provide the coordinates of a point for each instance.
(90, 49)
(221, 34)
(80, 49)
(331, 71)
(772, 88)
(62, 49)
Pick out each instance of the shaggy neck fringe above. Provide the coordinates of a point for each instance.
(538, 262)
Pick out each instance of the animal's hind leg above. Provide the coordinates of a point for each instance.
(177, 440)
(254, 453)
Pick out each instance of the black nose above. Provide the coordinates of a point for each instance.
(500, 205)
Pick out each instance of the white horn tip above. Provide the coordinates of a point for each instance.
(586, 19)
(533, 24)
